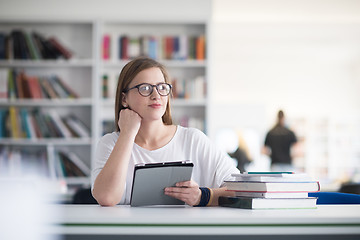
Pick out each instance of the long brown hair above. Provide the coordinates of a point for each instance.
(128, 73)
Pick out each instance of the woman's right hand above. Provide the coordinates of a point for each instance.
(129, 121)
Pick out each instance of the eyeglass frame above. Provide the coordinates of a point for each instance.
(152, 89)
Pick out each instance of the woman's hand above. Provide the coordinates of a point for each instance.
(187, 192)
(129, 121)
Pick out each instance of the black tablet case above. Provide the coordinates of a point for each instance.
(150, 180)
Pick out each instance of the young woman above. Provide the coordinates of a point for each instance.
(145, 134)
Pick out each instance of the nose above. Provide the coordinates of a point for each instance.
(155, 94)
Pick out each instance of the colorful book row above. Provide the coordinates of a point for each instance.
(22, 45)
(182, 88)
(18, 85)
(157, 47)
(32, 124)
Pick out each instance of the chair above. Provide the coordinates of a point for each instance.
(83, 196)
(335, 198)
(350, 188)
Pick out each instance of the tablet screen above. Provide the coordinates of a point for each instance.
(150, 180)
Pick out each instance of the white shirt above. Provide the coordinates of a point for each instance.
(211, 166)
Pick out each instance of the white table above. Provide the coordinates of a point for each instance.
(192, 223)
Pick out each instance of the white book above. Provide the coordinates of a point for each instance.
(199, 87)
(77, 126)
(64, 130)
(4, 83)
(271, 177)
(272, 194)
(252, 186)
(183, 47)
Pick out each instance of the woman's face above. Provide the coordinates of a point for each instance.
(151, 107)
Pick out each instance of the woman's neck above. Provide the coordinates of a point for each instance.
(154, 135)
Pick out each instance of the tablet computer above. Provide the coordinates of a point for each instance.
(151, 179)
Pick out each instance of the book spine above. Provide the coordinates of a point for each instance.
(200, 48)
(4, 83)
(2, 46)
(14, 122)
(59, 124)
(106, 47)
(65, 52)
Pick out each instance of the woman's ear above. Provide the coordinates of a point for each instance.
(123, 100)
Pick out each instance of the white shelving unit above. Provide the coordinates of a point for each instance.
(77, 72)
(84, 71)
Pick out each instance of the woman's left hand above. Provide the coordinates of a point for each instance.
(187, 192)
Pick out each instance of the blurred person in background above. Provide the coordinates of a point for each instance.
(278, 143)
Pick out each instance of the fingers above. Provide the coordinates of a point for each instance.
(187, 184)
(187, 192)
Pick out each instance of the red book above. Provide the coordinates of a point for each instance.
(169, 47)
(106, 47)
(34, 87)
(124, 47)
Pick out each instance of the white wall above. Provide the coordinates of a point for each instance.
(302, 56)
(106, 9)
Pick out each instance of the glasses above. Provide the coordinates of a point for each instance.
(146, 89)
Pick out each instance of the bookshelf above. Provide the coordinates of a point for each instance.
(84, 72)
(78, 73)
(186, 72)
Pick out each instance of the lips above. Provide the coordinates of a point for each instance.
(155, 105)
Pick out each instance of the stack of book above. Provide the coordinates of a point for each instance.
(270, 190)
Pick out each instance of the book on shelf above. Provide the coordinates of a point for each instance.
(19, 44)
(106, 41)
(19, 85)
(4, 83)
(109, 85)
(253, 186)
(34, 87)
(267, 203)
(39, 123)
(23, 162)
(189, 88)
(200, 48)
(59, 124)
(76, 126)
(70, 165)
(34, 52)
(2, 123)
(2, 45)
(187, 121)
(105, 86)
(65, 52)
(13, 124)
(176, 47)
